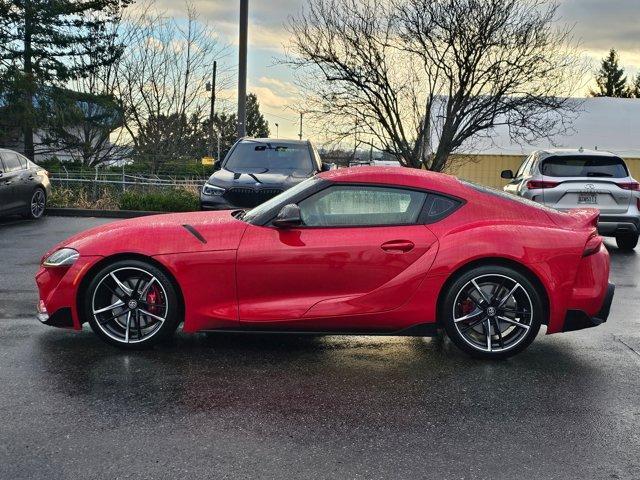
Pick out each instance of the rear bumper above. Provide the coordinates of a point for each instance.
(616, 224)
(579, 319)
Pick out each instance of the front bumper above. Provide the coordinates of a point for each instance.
(578, 319)
(215, 202)
(61, 318)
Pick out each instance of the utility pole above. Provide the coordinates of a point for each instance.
(212, 86)
(242, 68)
(300, 134)
(277, 130)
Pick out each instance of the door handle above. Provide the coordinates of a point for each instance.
(8, 182)
(398, 246)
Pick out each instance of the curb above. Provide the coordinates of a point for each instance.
(83, 212)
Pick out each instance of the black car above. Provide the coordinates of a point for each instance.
(256, 169)
(24, 186)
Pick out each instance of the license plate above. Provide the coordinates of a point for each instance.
(588, 198)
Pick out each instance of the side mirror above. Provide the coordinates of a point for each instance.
(288, 217)
(327, 166)
(217, 166)
(507, 175)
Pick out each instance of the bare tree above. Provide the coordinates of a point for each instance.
(161, 81)
(425, 78)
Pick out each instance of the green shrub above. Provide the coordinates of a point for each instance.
(175, 200)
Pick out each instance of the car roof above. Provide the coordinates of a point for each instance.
(277, 140)
(566, 152)
(395, 176)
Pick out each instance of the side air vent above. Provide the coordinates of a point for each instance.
(195, 233)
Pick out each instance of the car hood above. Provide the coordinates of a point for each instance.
(160, 234)
(249, 178)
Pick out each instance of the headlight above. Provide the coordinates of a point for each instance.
(65, 257)
(212, 190)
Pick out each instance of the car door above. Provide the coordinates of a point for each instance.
(361, 249)
(26, 180)
(9, 181)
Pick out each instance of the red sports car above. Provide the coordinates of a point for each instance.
(388, 251)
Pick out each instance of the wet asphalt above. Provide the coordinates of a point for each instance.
(233, 406)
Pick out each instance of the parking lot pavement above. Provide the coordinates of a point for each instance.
(231, 406)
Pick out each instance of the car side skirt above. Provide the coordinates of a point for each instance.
(418, 330)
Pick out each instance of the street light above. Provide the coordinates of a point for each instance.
(277, 131)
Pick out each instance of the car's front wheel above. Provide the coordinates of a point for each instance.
(627, 241)
(131, 304)
(492, 312)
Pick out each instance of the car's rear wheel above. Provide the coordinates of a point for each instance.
(37, 205)
(492, 312)
(132, 304)
(627, 241)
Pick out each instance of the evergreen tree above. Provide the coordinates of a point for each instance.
(635, 88)
(41, 41)
(611, 79)
(257, 126)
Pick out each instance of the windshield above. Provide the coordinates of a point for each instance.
(584, 166)
(253, 156)
(281, 199)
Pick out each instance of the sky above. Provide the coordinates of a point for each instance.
(598, 25)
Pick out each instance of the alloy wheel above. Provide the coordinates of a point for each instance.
(130, 305)
(38, 203)
(493, 313)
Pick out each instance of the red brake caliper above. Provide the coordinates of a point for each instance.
(467, 306)
(153, 298)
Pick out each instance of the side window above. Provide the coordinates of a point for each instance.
(439, 207)
(11, 162)
(347, 205)
(24, 162)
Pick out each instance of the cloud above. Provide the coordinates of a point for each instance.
(604, 25)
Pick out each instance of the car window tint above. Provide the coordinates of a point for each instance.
(362, 205)
(584, 166)
(11, 162)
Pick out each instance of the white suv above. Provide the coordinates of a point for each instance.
(565, 179)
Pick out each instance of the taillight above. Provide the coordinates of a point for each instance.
(630, 186)
(537, 184)
(593, 245)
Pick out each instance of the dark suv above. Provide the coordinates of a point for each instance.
(24, 186)
(257, 169)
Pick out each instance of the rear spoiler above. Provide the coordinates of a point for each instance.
(577, 219)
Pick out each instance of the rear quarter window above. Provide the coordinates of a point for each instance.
(584, 166)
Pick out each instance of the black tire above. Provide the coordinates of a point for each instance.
(37, 204)
(134, 275)
(627, 241)
(496, 284)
